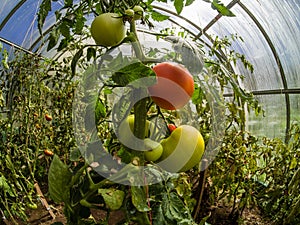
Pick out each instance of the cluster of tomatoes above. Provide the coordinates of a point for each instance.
(184, 147)
(174, 87)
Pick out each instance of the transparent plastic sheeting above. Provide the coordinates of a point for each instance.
(261, 24)
(273, 123)
(21, 28)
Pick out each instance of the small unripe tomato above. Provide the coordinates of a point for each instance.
(138, 12)
(129, 12)
(32, 206)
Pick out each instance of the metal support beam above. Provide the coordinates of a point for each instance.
(15, 46)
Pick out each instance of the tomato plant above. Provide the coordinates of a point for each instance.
(174, 87)
(26, 130)
(78, 184)
(108, 29)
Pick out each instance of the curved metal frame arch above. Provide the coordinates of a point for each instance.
(11, 13)
(279, 64)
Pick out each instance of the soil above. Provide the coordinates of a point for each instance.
(219, 216)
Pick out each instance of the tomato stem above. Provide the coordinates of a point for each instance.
(140, 108)
(135, 42)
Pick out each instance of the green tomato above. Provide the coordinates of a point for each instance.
(155, 151)
(125, 130)
(129, 12)
(108, 29)
(32, 205)
(182, 150)
(138, 12)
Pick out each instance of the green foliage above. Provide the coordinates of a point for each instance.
(59, 178)
(246, 172)
(132, 72)
(280, 176)
(217, 5)
(31, 87)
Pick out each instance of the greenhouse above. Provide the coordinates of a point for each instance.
(150, 112)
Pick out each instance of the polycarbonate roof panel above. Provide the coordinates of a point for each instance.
(281, 20)
(254, 47)
(6, 7)
(273, 124)
(21, 27)
(295, 112)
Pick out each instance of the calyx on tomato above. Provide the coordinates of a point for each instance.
(108, 29)
(174, 87)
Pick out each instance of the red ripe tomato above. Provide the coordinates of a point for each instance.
(174, 86)
(48, 117)
(171, 127)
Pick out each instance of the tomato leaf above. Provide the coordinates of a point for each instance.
(189, 2)
(123, 106)
(133, 72)
(178, 6)
(64, 28)
(5, 187)
(138, 198)
(217, 5)
(113, 198)
(53, 38)
(75, 60)
(175, 210)
(79, 22)
(100, 110)
(59, 177)
(68, 3)
(91, 53)
(159, 216)
(156, 16)
(45, 8)
(63, 44)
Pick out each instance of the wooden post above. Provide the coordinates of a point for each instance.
(43, 200)
(201, 186)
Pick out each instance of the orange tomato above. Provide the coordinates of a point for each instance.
(48, 152)
(174, 86)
